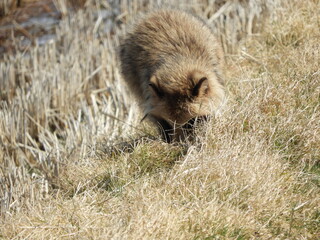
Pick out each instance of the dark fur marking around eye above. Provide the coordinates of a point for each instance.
(156, 90)
(201, 85)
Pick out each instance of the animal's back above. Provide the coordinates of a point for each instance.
(167, 37)
(173, 64)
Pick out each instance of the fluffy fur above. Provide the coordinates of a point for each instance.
(174, 66)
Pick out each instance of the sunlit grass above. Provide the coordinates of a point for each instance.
(78, 163)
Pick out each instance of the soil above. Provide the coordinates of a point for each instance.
(30, 22)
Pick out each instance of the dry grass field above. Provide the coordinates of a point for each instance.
(77, 163)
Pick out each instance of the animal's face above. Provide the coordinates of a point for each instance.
(181, 101)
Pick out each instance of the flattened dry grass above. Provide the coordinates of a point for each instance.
(252, 172)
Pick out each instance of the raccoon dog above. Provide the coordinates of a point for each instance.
(173, 64)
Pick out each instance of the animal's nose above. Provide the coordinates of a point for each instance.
(195, 121)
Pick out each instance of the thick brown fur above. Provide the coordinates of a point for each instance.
(173, 64)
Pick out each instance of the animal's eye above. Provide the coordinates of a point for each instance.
(156, 90)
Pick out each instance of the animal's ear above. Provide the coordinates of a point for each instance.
(201, 88)
(155, 88)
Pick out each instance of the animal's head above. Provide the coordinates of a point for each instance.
(181, 97)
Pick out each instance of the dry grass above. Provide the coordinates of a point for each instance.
(252, 173)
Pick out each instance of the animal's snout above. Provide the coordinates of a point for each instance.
(193, 122)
